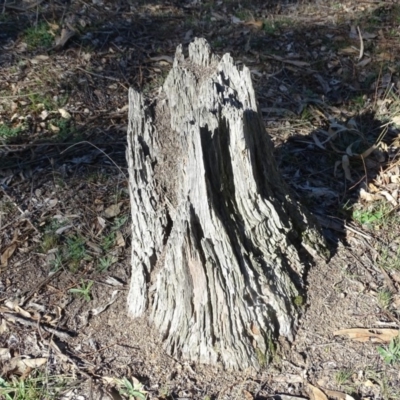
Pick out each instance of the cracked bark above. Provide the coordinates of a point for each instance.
(219, 246)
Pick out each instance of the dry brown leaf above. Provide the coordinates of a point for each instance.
(396, 120)
(113, 210)
(316, 393)
(349, 51)
(54, 128)
(255, 24)
(34, 362)
(21, 311)
(4, 354)
(369, 335)
(3, 326)
(247, 395)
(364, 195)
(66, 34)
(119, 239)
(7, 253)
(64, 113)
(21, 366)
(364, 62)
(338, 395)
(292, 62)
(373, 188)
(389, 197)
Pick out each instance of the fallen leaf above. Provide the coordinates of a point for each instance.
(21, 311)
(113, 210)
(247, 395)
(396, 120)
(119, 239)
(54, 128)
(369, 335)
(3, 326)
(20, 366)
(5, 354)
(338, 395)
(7, 253)
(316, 393)
(64, 113)
(364, 195)
(389, 198)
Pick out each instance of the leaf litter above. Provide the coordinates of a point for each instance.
(327, 82)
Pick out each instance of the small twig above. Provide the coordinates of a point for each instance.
(28, 322)
(357, 232)
(19, 95)
(102, 76)
(23, 213)
(68, 358)
(361, 44)
(38, 287)
(22, 9)
(102, 349)
(85, 141)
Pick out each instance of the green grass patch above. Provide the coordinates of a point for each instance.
(36, 387)
(385, 297)
(389, 259)
(374, 216)
(108, 242)
(9, 132)
(38, 36)
(75, 251)
(343, 376)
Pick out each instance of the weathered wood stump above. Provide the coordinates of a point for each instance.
(217, 241)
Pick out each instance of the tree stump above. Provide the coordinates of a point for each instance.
(218, 243)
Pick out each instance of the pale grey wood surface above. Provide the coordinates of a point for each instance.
(215, 234)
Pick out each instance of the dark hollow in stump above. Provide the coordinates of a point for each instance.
(218, 244)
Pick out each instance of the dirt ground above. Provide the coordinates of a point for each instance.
(326, 74)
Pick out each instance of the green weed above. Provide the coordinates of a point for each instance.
(37, 387)
(391, 353)
(389, 259)
(105, 263)
(244, 15)
(38, 36)
(57, 262)
(373, 216)
(83, 290)
(75, 251)
(270, 27)
(108, 242)
(7, 132)
(384, 298)
(132, 390)
(119, 222)
(66, 130)
(299, 301)
(343, 376)
(49, 241)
